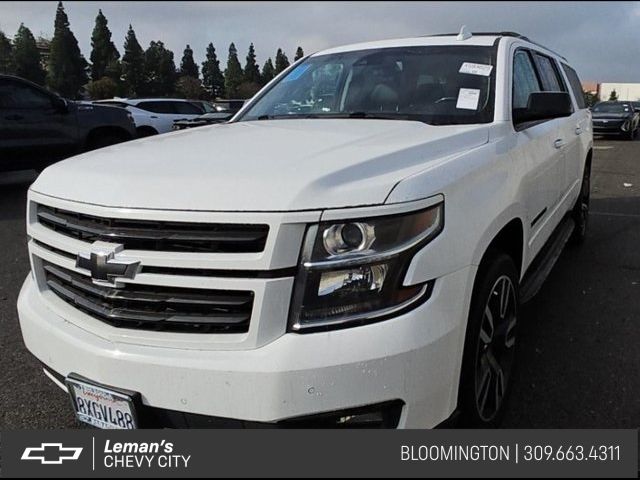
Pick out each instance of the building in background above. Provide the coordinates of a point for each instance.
(44, 49)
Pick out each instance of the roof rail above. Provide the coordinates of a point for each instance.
(499, 34)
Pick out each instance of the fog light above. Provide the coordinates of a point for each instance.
(362, 279)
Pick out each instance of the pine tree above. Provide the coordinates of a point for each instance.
(26, 58)
(282, 62)
(160, 70)
(299, 54)
(188, 67)
(613, 96)
(133, 65)
(104, 53)
(251, 69)
(67, 67)
(268, 72)
(212, 77)
(233, 74)
(6, 54)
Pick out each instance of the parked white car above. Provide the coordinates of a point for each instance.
(350, 250)
(156, 115)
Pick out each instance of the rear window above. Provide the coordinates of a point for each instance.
(576, 86)
(157, 107)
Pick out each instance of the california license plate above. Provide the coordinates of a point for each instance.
(100, 406)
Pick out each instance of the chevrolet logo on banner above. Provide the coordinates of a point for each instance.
(51, 453)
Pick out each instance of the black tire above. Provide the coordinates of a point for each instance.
(630, 135)
(490, 344)
(101, 141)
(580, 211)
(146, 132)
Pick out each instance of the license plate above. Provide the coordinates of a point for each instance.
(100, 406)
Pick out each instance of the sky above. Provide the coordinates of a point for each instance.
(600, 39)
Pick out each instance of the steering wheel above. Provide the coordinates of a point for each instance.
(446, 99)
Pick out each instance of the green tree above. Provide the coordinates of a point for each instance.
(104, 53)
(188, 67)
(105, 87)
(190, 87)
(160, 70)
(282, 62)
(268, 72)
(233, 73)
(132, 65)
(212, 77)
(67, 67)
(26, 58)
(6, 54)
(299, 54)
(613, 96)
(590, 98)
(251, 69)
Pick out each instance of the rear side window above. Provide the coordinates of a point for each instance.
(551, 81)
(187, 108)
(14, 95)
(525, 80)
(157, 107)
(576, 86)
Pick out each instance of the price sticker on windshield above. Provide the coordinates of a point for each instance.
(476, 69)
(468, 99)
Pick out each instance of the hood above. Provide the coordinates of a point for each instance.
(274, 165)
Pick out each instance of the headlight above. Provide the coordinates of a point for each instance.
(352, 272)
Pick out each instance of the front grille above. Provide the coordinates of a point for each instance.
(156, 235)
(154, 307)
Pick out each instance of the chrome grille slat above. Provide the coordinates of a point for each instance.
(156, 236)
(152, 307)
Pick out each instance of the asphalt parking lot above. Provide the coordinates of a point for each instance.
(578, 357)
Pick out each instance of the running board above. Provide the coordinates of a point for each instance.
(543, 263)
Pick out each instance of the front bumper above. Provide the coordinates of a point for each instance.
(414, 358)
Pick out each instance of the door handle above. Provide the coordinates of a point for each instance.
(578, 130)
(153, 116)
(14, 117)
(559, 143)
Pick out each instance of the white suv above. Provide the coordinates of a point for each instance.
(157, 115)
(350, 250)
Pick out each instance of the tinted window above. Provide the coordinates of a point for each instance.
(157, 107)
(575, 84)
(17, 95)
(551, 82)
(434, 84)
(525, 80)
(187, 108)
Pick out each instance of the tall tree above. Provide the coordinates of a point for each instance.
(26, 58)
(160, 70)
(188, 67)
(212, 77)
(613, 96)
(133, 64)
(233, 74)
(268, 72)
(6, 54)
(299, 54)
(251, 69)
(67, 67)
(282, 62)
(104, 53)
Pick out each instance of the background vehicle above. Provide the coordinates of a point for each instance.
(221, 111)
(616, 118)
(156, 115)
(354, 245)
(38, 127)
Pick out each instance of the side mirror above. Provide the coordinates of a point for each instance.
(544, 106)
(60, 104)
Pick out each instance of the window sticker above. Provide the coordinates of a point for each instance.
(476, 69)
(468, 98)
(296, 74)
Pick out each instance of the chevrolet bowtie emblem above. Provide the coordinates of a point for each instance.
(51, 453)
(103, 265)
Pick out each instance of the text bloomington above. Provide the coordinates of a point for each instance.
(454, 453)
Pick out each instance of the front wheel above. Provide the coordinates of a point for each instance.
(490, 344)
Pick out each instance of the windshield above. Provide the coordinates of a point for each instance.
(612, 108)
(437, 85)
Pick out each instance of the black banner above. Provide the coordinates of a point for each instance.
(320, 453)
